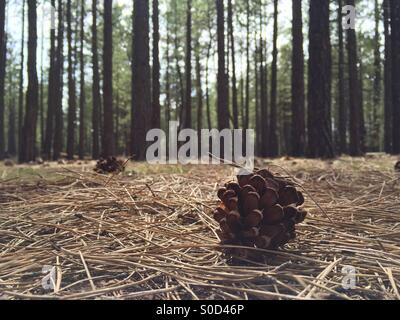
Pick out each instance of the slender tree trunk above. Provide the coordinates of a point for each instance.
(187, 115)
(258, 90)
(82, 98)
(21, 84)
(377, 81)
(58, 86)
(222, 85)
(199, 90)
(108, 140)
(343, 110)
(319, 84)
(247, 101)
(141, 97)
(3, 52)
(95, 87)
(32, 95)
(156, 68)
(395, 24)
(388, 79)
(51, 95)
(262, 120)
(235, 107)
(354, 89)
(298, 95)
(117, 110)
(41, 97)
(168, 82)
(71, 89)
(273, 138)
(208, 104)
(12, 144)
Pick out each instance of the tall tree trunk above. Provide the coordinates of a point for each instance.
(21, 84)
(187, 115)
(377, 82)
(51, 95)
(222, 85)
(168, 82)
(141, 97)
(273, 138)
(71, 89)
(210, 42)
(12, 145)
(82, 98)
(343, 110)
(32, 95)
(108, 139)
(95, 87)
(199, 90)
(262, 120)
(235, 107)
(388, 79)
(354, 89)
(156, 68)
(58, 86)
(41, 96)
(246, 120)
(298, 95)
(257, 90)
(395, 24)
(3, 52)
(319, 84)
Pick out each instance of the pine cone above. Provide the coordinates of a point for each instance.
(260, 211)
(109, 165)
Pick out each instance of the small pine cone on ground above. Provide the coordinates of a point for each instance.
(109, 165)
(260, 211)
(397, 166)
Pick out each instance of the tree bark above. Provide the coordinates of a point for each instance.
(51, 95)
(273, 149)
(187, 114)
(235, 107)
(108, 138)
(141, 97)
(387, 79)
(375, 134)
(156, 68)
(82, 98)
(262, 121)
(95, 87)
(222, 85)
(343, 110)
(319, 84)
(354, 87)
(3, 52)
(298, 95)
(199, 90)
(71, 89)
(21, 84)
(395, 24)
(246, 120)
(58, 86)
(32, 95)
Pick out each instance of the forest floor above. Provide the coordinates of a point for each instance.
(149, 234)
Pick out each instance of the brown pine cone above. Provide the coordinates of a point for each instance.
(109, 165)
(261, 211)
